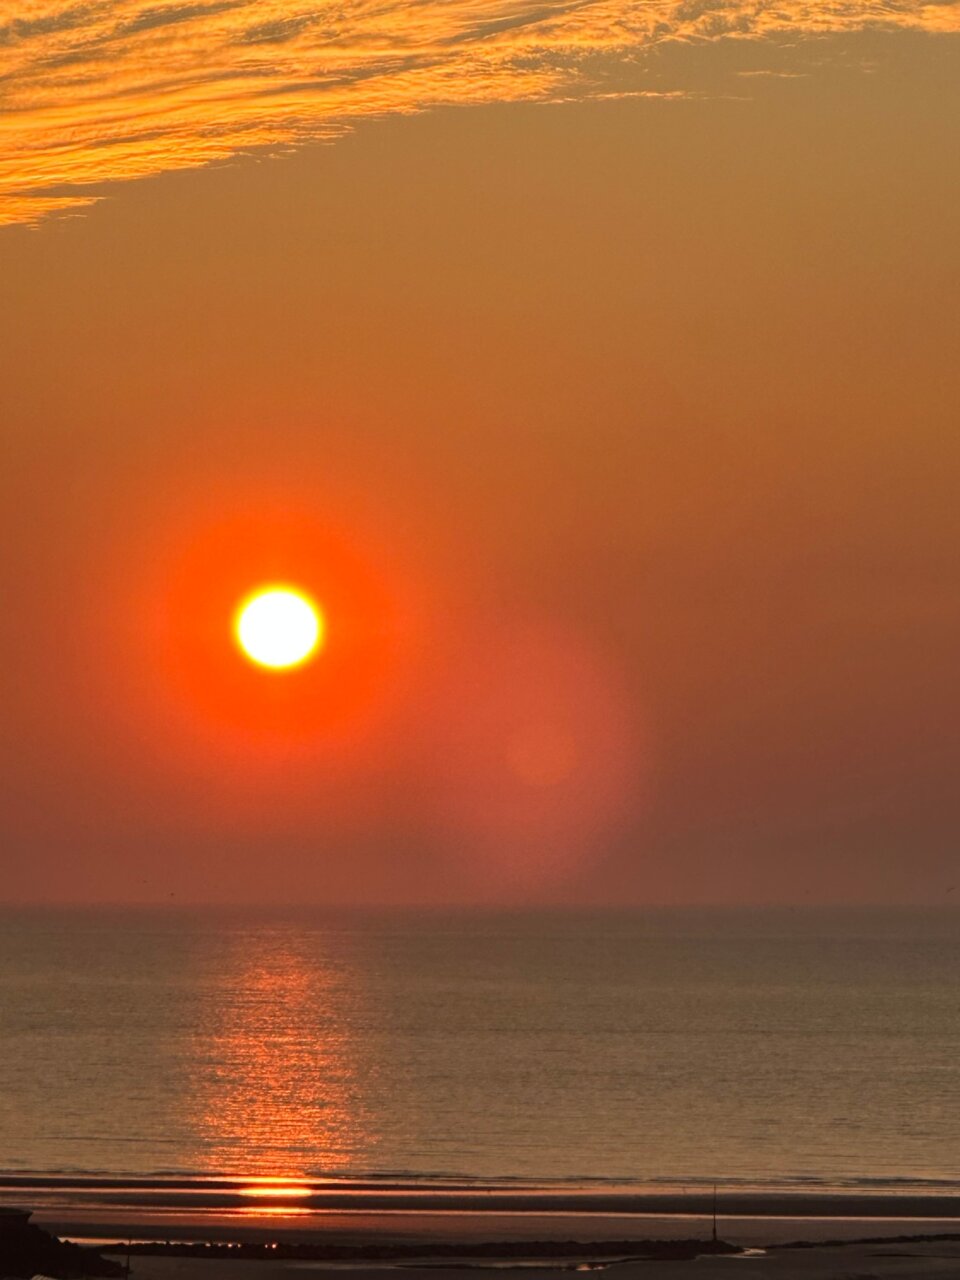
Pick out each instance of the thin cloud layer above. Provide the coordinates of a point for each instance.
(101, 91)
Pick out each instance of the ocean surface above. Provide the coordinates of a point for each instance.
(768, 1048)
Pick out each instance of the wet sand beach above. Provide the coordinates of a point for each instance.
(392, 1212)
(460, 1231)
(938, 1260)
(409, 1222)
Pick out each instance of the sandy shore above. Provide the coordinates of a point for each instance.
(353, 1229)
(521, 1245)
(902, 1261)
(224, 1210)
(433, 1231)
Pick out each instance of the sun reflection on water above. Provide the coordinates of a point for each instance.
(275, 1189)
(279, 1098)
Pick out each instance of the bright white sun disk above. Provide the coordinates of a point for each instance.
(279, 627)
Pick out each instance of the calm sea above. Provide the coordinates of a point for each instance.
(679, 1046)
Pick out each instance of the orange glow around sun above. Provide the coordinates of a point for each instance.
(273, 591)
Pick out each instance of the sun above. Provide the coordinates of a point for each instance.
(279, 627)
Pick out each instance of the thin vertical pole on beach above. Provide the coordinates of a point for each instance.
(714, 1213)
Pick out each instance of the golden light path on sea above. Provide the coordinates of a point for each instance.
(92, 94)
(281, 1082)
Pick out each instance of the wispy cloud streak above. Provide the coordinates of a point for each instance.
(100, 91)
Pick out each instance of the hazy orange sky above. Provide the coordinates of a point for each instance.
(595, 363)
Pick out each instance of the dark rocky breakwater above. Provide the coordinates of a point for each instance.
(26, 1250)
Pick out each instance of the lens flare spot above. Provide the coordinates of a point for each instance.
(542, 754)
(279, 627)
